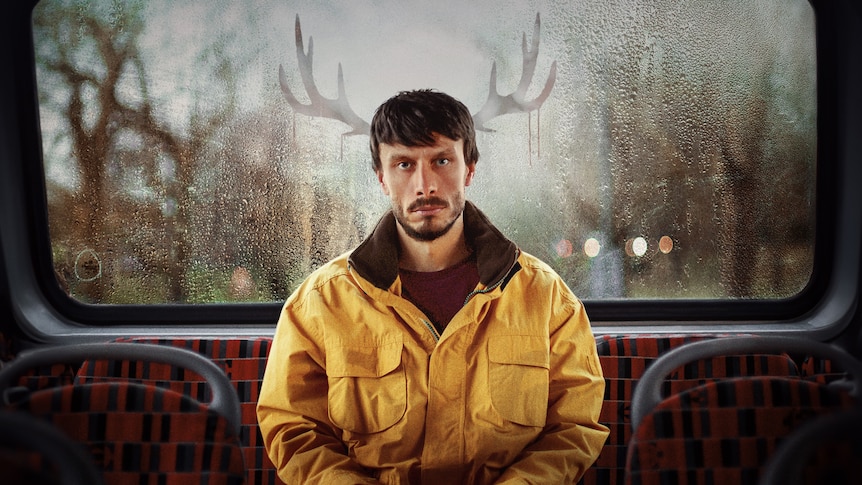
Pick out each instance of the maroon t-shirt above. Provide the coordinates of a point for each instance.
(440, 294)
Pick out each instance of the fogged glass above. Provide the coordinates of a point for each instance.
(216, 151)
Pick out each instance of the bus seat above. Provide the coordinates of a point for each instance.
(624, 359)
(824, 450)
(243, 359)
(139, 433)
(41, 377)
(724, 431)
(649, 391)
(820, 369)
(47, 376)
(33, 451)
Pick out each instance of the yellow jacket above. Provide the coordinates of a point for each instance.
(360, 388)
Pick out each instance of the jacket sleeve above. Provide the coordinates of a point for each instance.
(292, 407)
(572, 437)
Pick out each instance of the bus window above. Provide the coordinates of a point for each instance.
(655, 150)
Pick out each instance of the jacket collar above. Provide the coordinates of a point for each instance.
(376, 258)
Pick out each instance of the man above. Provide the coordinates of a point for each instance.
(436, 352)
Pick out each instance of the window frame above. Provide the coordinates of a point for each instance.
(822, 307)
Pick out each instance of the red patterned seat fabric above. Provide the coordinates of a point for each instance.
(243, 360)
(143, 434)
(624, 360)
(724, 431)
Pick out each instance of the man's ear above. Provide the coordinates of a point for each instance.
(381, 181)
(471, 171)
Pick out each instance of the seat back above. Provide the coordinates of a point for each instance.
(820, 369)
(625, 358)
(140, 433)
(724, 431)
(824, 450)
(34, 452)
(649, 391)
(50, 375)
(243, 359)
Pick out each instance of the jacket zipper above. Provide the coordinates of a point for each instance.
(430, 327)
(433, 330)
(479, 292)
(492, 287)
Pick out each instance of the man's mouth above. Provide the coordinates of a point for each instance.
(427, 207)
(428, 211)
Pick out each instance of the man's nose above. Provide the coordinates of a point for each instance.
(424, 180)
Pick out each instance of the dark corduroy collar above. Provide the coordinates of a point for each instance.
(376, 258)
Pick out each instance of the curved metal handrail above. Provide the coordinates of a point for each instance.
(224, 398)
(647, 394)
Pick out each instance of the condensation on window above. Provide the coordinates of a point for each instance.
(204, 151)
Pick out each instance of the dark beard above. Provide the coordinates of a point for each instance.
(424, 235)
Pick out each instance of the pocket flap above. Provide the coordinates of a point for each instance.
(363, 361)
(519, 349)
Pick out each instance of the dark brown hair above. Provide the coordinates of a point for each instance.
(411, 118)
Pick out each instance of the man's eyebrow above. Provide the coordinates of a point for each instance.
(448, 152)
(397, 156)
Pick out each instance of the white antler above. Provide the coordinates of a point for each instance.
(337, 109)
(498, 105)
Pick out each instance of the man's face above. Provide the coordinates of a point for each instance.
(426, 185)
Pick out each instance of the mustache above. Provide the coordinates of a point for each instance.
(426, 201)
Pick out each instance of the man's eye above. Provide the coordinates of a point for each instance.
(443, 161)
(404, 165)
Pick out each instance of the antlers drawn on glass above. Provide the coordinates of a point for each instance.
(498, 105)
(339, 108)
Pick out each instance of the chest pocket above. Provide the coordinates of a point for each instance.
(518, 376)
(367, 386)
